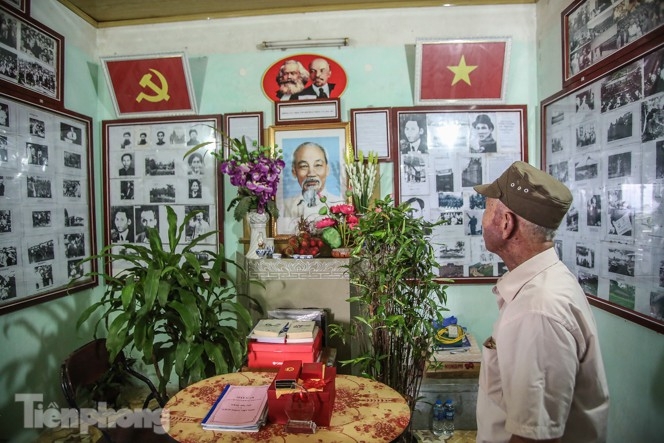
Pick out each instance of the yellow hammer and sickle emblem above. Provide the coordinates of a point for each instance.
(161, 93)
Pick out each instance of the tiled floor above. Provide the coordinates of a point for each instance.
(458, 437)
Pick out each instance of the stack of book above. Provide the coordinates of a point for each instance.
(284, 331)
(239, 409)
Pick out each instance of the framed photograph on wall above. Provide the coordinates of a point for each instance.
(22, 6)
(33, 56)
(47, 223)
(371, 132)
(439, 155)
(605, 140)
(144, 171)
(461, 71)
(315, 164)
(597, 32)
(244, 124)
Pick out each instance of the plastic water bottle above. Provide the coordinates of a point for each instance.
(438, 418)
(448, 418)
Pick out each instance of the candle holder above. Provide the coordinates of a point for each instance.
(300, 409)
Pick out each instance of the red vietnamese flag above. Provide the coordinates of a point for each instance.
(157, 84)
(469, 70)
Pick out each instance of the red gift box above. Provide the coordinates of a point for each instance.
(310, 377)
(269, 355)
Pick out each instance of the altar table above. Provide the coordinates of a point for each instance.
(364, 411)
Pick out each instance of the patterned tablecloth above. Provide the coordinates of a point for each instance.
(364, 411)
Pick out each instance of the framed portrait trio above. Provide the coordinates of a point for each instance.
(145, 170)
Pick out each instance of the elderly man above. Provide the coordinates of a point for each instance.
(542, 376)
(310, 167)
(320, 72)
(291, 79)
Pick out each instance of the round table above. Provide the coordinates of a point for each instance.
(364, 411)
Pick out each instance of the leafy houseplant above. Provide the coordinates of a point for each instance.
(398, 297)
(179, 314)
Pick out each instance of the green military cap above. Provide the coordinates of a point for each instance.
(531, 193)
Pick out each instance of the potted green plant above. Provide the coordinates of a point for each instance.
(397, 297)
(177, 306)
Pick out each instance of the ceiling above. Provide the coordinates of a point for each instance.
(109, 13)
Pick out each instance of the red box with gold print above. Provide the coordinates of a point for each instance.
(318, 380)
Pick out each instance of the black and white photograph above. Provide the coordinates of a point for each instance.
(473, 222)
(126, 189)
(122, 230)
(619, 165)
(620, 214)
(39, 187)
(652, 118)
(653, 73)
(162, 193)
(37, 127)
(43, 276)
(621, 87)
(146, 216)
(586, 168)
(452, 250)
(585, 256)
(37, 154)
(620, 126)
(5, 221)
(444, 180)
(572, 219)
(75, 216)
(72, 160)
(589, 282)
(41, 251)
(7, 285)
(70, 134)
(560, 171)
(472, 172)
(41, 219)
(4, 108)
(71, 188)
(195, 188)
(585, 101)
(199, 224)
(74, 269)
(450, 201)
(451, 218)
(8, 256)
(594, 211)
(158, 165)
(586, 134)
(74, 245)
(621, 261)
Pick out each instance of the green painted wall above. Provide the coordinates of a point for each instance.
(227, 70)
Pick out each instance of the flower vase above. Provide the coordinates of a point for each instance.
(341, 252)
(258, 232)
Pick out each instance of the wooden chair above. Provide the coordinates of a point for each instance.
(90, 364)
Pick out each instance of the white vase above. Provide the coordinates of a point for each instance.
(258, 228)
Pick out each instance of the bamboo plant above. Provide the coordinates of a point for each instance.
(398, 297)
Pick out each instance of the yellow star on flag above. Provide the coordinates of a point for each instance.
(461, 71)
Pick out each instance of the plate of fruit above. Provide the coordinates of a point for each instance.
(302, 245)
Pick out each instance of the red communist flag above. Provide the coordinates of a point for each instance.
(469, 70)
(150, 85)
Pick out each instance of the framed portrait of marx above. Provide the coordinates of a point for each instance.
(47, 223)
(145, 170)
(439, 155)
(605, 140)
(315, 166)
